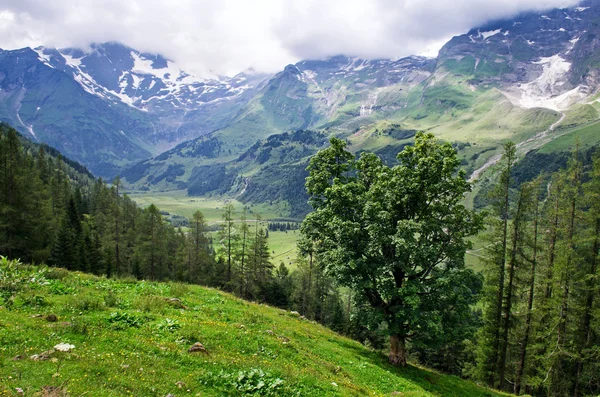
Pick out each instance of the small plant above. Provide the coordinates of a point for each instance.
(178, 289)
(110, 299)
(251, 382)
(59, 288)
(169, 325)
(149, 303)
(15, 277)
(123, 320)
(27, 300)
(56, 273)
(85, 303)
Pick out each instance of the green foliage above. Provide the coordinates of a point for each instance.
(123, 320)
(396, 236)
(122, 352)
(251, 382)
(168, 325)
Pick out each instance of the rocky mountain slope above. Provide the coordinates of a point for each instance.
(111, 105)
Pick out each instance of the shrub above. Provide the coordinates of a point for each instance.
(251, 382)
(122, 320)
(178, 290)
(110, 299)
(149, 303)
(85, 302)
(168, 325)
(56, 273)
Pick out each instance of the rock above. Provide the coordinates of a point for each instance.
(176, 302)
(53, 391)
(37, 316)
(180, 384)
(270, 332)
(285, 340)
(17, 358)
(295, 313)
(197, 347)
(170, 395)
(42, 356)
(51, 318)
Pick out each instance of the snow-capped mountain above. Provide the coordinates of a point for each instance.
(110, 106)
(145, 81)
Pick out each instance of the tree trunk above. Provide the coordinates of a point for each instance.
(397, 351)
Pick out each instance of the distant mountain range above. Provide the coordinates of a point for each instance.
(117, 110)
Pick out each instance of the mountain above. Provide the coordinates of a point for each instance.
(111, 106)
(529, 79)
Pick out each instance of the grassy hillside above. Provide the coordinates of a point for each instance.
(132, 339)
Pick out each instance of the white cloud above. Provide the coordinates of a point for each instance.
(228, 36)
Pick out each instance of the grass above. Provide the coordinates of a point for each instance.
(178, 202)
(588, 136)
(281, 244)
(132, 338)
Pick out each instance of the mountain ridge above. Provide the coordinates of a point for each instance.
(516, 76)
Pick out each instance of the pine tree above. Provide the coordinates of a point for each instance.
(495, 271)
(228, 241)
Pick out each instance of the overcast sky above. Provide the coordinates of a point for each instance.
(228, 36)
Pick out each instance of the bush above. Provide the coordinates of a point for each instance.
(149, 303)
(85, 303)
(110, 299)
(56, 273)
(169, 325)
(16, 277)
(251, 382)
(178, 290)
(123, 320)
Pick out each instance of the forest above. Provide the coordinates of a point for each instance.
(381, 256)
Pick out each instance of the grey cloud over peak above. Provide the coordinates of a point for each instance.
(228, 36)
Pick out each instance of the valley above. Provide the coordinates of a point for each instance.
(330, 218)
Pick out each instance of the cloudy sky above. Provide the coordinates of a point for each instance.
(228, 36)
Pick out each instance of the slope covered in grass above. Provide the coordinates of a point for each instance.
(132, 338)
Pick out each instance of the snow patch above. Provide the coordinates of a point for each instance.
(43, 57)
(490, 33)
(136, 81)
(545, 90)
(581, 9)
(73, 62)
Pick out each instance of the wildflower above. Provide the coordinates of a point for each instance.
(64, 347)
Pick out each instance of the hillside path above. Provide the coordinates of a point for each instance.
(495, 158)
